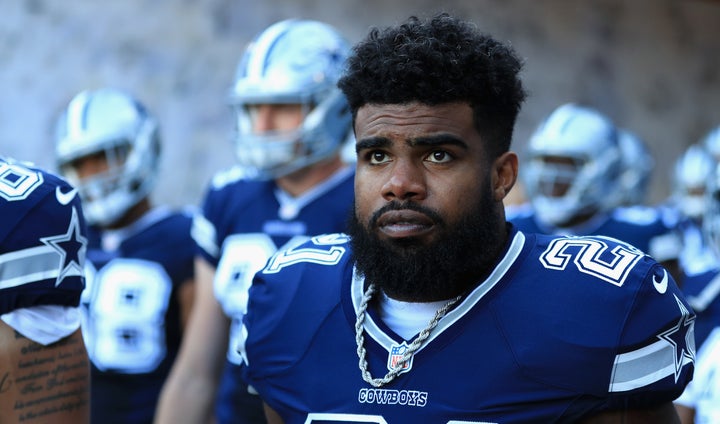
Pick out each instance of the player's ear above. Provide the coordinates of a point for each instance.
(504, 175)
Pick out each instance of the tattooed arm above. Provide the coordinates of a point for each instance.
(43, 383)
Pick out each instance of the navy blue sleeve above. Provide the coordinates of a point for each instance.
(42, 240)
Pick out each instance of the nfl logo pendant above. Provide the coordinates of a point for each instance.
(396, 353)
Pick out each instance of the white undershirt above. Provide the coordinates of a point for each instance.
(44, 324)
(407, 318)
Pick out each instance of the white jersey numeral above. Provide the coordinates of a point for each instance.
(125, 325)
(326, 253)
(592, 256)
(17, 182)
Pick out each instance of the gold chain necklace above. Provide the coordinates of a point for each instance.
(409, 352)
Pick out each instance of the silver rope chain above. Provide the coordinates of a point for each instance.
(409, 352)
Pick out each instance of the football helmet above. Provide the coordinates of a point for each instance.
(110, 122)
(638, 164)
(711, 142)
(291, 62)
(711, 216)
(690, 180)
(574, 161)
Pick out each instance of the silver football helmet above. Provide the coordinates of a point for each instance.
(711, 216)
(638, 164)
(690, 179)
(113, 123)
(711, 142)
(574, 161)
(291, 62)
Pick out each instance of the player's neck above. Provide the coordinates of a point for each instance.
(303, 180)
(407, 318)
(132, 215)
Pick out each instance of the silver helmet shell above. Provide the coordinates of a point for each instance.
(113, 123)
(690, 179)
(711, 142)
(291, 62)
(587, 142)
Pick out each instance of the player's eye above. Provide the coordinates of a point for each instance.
(377, 157)
(439, 156)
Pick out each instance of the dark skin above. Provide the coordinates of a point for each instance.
(430, 156)
(434, 156)
(687, 415)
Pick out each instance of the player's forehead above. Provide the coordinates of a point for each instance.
(410, 120)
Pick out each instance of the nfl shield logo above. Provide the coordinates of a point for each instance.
(396, 353)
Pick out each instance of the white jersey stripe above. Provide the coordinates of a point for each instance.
(341, 418)
(644, 366)
(700, 302)
(28, 265)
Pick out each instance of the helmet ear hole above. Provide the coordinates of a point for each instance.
(291, 62)
(113, 123)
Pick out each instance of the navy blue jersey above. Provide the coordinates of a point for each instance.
(42, 239)
(244, 222)
(642, 226)
(702, 291)
(234, 205)
(132, 323)
(563, 328)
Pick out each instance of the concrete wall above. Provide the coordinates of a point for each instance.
(652, 65)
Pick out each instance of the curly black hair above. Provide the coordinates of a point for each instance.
(437, 60)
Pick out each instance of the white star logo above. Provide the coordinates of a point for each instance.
(71, 247)
(680, 337)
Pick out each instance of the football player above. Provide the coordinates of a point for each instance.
(291, 182)
(44, 367)
(702, 286)
(574, 181)
(433, 309)
(700, 402)
(689, 189)
(140, 255)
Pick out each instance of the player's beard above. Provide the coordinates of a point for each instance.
(458, 258)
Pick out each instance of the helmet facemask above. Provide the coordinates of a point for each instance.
(563, 190)
(276, 153)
